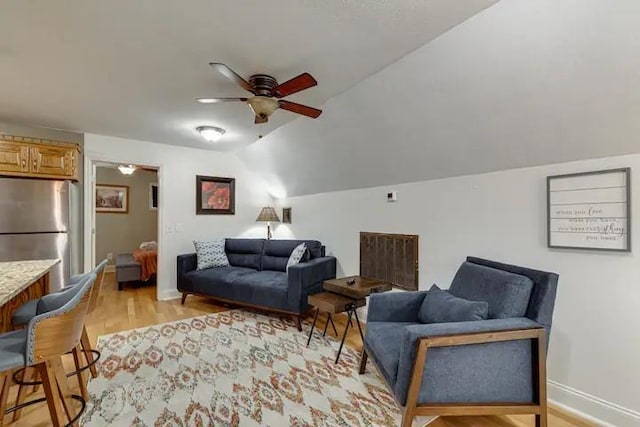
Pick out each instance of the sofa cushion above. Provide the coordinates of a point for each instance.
(211, 254)
(263, 288)
(507, 293)
(215, 281)
(383, 341)
(245, 252)
(441, 307)
(277, 252)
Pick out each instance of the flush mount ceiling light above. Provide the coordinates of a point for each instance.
(126, 169)
(210, 133)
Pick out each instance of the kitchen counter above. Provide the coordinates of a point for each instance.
(17, 276)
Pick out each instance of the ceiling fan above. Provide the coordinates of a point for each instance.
(267, 93)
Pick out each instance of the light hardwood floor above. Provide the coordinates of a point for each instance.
(137, 307)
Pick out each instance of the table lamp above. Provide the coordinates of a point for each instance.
(268, 215)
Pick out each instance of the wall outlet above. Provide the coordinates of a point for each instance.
(110, 256)
(392, 196)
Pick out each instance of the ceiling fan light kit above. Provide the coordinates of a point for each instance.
(211, 133)
(267, 93)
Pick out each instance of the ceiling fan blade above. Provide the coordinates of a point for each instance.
(231, 75)
(216, 100)
(300, 109)
(260, 120)
(296, 84)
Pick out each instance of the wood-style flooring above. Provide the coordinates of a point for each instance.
(137, 307)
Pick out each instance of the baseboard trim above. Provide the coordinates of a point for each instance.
(164, 295)
(589, 407)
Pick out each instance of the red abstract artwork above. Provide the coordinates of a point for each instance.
(215, 195)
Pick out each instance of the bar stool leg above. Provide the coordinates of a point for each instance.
(344, 336)
(315, 318)
(52, 393)
(29, 374)
(63, 386)
(5, 383)
(86, 346)
(81, 376)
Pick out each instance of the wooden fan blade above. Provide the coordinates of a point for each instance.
(216, 100)
(260, 120)
(231, 75)
(300, 109)
(296, 84)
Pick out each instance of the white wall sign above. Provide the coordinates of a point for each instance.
(589, 210)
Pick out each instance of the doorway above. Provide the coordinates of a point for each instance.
(122, 221)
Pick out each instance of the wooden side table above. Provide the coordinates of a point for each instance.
(346, 294)
(332, 303)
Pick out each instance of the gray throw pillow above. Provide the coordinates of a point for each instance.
(297, 255)
(442, 307)
(211, 254)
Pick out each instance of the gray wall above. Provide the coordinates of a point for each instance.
(76, 216)
(122, 233)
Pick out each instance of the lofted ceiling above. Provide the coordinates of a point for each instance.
(523, 83)
(133, 68)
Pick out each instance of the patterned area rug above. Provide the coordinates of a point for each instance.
(233, 368)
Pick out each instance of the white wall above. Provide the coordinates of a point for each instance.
(177, 180)
(594, 360)
(522, 83)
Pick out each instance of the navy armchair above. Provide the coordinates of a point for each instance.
(480, 367)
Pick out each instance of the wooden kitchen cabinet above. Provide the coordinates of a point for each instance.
(38, 158)
(14, 157)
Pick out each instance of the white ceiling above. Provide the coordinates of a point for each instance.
(133, 68)
(523, 83)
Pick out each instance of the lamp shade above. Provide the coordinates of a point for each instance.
(268, 214)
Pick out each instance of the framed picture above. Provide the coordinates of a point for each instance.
(215, 195)
(590, 210)
(112, 198)
(153, 196)
(286, 215)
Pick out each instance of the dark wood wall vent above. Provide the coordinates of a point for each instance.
(391, 257)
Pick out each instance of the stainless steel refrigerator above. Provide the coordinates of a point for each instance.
(34, 223)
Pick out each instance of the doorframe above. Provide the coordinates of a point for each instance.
(90, 160)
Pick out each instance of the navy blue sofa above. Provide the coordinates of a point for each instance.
(258, 277)
(470, 367)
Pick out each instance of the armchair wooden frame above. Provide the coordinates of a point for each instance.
(538, 407)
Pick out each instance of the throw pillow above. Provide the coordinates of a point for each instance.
(297, 255)
(211, 254)
(442, 307)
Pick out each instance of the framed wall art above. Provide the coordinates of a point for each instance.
(112, 198)
(286, 215)
(590, 210)
(153, 196)
(215, 195)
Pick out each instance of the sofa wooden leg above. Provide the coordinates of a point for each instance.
(299, 323)
(184, 298)
(363, 360)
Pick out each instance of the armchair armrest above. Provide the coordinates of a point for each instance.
(481, 336)
(307, 277)
(395, 306)
(186, 263)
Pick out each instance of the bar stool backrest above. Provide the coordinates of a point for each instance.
(97, 287)
(57, 332)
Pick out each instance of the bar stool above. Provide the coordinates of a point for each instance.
(41, 345)
(29, 310)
